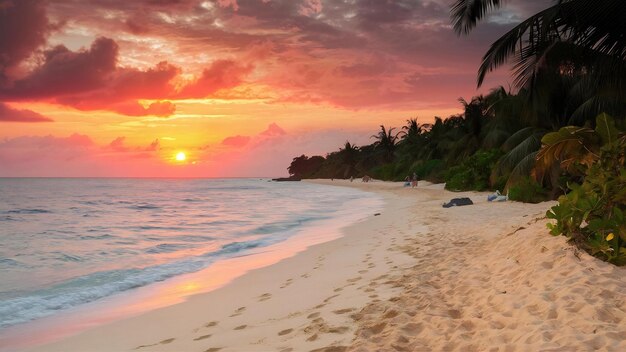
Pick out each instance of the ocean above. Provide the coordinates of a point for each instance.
(67, 242)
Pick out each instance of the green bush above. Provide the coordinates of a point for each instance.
(383, 172)
(423, 169)
(527, 190)
(592, 214)
(473, 173)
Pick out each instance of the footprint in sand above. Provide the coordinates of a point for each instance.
(354, 279)
(265, 297)
(285, 332)
(241, 327)
(363, 271)
(210, 324)
(202, 337)
(164, 342)
(339, 330)
(329, 298)
(238, 311)
(287, 283)
(213, 349)
(344, 311)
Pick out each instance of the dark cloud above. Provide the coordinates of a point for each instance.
(66, 72)
(8, 114)
(24, 27)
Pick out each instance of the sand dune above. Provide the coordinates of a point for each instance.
(417, 277)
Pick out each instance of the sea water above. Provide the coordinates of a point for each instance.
(68, 242)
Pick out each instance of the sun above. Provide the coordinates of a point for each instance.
(181, 156)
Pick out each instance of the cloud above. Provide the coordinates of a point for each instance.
(236, 141)
(357, 54)
(310, 7)
(220, 75)
(8, 114)
(119, 145)
(24, 27)
(273, 130)
(65, 72)
(78, 155)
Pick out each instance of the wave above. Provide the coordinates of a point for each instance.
(167, 248)
(145, 206)
(28, 211)
(98, 285)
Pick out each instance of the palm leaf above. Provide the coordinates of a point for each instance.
(466, 13)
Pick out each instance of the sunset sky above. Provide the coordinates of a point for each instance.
(121, 87)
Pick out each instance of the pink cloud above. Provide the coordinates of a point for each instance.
(8, 114)
(273, 130)
(310, 7)
(220, 75)
(229, 3)
(78, 155)
(236, 141)
(119, 145)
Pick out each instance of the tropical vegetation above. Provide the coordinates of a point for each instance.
(557, 133)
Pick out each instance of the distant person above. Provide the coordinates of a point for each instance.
(351, 178)
(407, 181)
(414, 180)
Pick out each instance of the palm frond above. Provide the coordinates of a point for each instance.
(466, 13)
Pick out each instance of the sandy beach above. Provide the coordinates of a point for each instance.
(416, 277)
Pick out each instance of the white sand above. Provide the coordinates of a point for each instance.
(416, 278)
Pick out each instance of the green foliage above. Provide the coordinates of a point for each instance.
(384, 172)
(428, 168)
(527, 190)
(592, 213)
(474, 172)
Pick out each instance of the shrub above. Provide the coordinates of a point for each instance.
(473, 173)
(383, 172)
(527, 190)
(593, 214)
(423, 169)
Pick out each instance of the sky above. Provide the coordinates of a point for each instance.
(120, 88)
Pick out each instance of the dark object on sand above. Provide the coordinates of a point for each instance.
(283, 179)
(376, 214)
(458, 202)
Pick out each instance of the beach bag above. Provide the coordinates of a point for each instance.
(458, 202)
(493, 196)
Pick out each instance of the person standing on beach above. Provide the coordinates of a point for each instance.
(414, 180)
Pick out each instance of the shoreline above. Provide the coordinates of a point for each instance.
(127, 304)
(416, 277)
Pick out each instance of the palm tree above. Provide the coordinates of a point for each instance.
(412, 129)
(577, 34)
(349, 155)
(386, 143)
